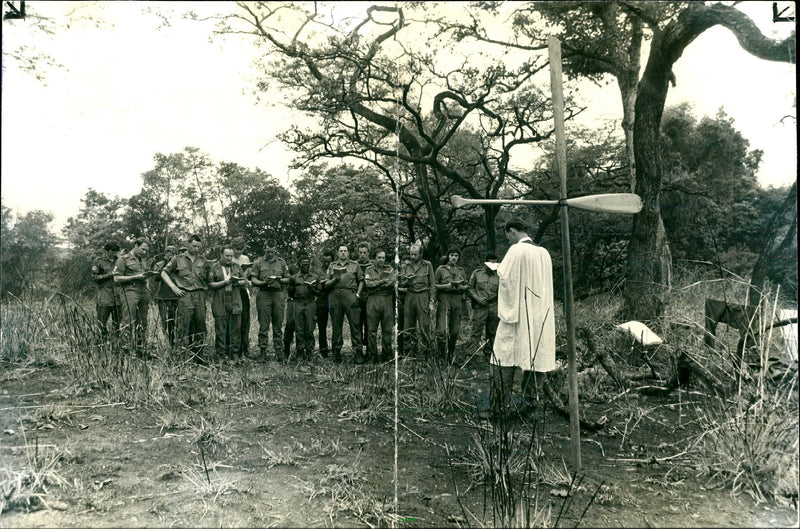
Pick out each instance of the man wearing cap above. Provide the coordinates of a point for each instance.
(225, 280)
(451, 283)
(482, 290)
(418, 278)
(109, 296)
(525, 336)
(186, 274)
(344, 278)
(237, 243)
(131, 272)
(379, 282)
(270, 274)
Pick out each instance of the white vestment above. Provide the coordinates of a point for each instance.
(526, 334)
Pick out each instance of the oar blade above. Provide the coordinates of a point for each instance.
(608, 203)
(457, 201)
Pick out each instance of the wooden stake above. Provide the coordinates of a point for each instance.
(554, 48)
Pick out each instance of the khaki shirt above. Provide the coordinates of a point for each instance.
(418, 277)
(373, 274)
(108, 294)
(449, 274)
(263, 270)
(128, 265)
(228, 298)
(302, 291)
(350, 275)
(187, 274)
(484, 285)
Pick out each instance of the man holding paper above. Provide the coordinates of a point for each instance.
(525, 336)
(226, 279)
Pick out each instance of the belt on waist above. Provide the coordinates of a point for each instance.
(345, 288)
(269, 289)
(418, 291)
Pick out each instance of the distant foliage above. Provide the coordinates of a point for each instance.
(26, 250)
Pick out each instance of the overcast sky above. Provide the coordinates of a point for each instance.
(133, 90)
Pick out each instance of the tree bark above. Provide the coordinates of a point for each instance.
(649, 262)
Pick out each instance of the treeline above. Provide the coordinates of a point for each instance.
(713, 209)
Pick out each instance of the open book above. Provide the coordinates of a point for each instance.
(491, 266)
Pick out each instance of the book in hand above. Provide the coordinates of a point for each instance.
(491, 266)
(338, 272)
(150, 273)
(310, 283)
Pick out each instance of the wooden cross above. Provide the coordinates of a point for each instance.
(626, 203)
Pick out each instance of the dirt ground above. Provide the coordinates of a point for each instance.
(262, 444)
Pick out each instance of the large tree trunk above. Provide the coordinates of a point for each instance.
(440, 233)
(648, 273)
(627, 80)
(777, 261)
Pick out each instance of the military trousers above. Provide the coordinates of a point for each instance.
(380, 311)
(484, 319)
(134, 316)
(103, 313)
(343, 303)
(270, 305)
(190, 320)
(167, 313)
(417, 322)
(288, 327)
(323, 311)
(305, 318)
(227, 334)
(448, 323)
(244, 336)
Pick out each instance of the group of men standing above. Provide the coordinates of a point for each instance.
(291, 301)
(512, 307)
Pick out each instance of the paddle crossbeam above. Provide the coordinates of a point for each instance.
(626, 203)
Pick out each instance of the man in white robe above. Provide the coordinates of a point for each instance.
(525, 336)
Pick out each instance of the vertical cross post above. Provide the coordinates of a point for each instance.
(554, 49)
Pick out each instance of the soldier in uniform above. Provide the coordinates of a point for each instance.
(379, 281)
(418, 278)
(270, 274)
(304, 285)
(323, 305)
(186, 274)
(225, 280)
(108, 294)
(131, 272)
(244, 263)
(362, 294)
(401, 311)
(482, 289)
(166, 299)
(451, 283)
(343, 278)
(289, 325)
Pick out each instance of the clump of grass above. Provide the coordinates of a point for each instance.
(345, 487)
(211, 435)
(29, 333)
(27, 488)
(750, 440)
